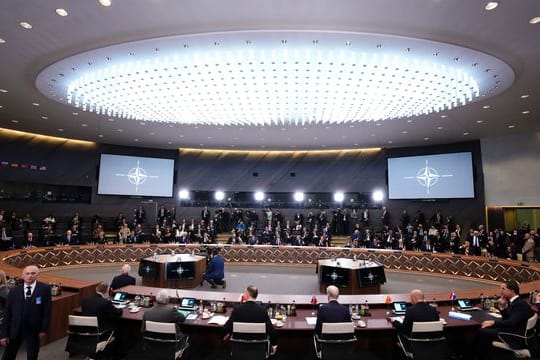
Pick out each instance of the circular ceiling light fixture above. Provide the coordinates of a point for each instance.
(272, 82)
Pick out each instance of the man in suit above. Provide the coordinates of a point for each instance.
(124, 279)
(251, 312)
(27, 315)
(515, 313)
(99, 305)
(420, 311)
(333, 312)
(161, 312)
(216, 270)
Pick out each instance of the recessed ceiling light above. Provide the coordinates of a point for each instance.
(169, 142)
(426, 138)
(525, 112)
(152, 133)
(110, 119)
(2, 41)
(143, 124)
(404, 132)
(61, 130)
(100, 135)
(440, 127)
(3, 91)
(511, 126)
(135, 140)
(75, 113)
(491, 5)
(444, 116)
(84, 125)
(389, 141)
(465, 133)
(61, 12)
(45, 117)
(15, 121)
(524, 96)
(409, 121)
(379, 124)
(1, 106)
(535, 20)
(120, 130)
(35, 104)
(25, 25)
(486, 107)
(479, 121)
(105, 2)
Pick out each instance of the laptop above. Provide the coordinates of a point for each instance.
(120, 298)
(399, 307)
(188, 304)
(465, 305)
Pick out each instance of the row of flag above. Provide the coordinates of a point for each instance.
(15, 165)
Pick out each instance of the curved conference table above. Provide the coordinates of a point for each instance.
(491, 271)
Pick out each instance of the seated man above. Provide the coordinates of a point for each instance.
(124, 279)
(515, 314)
(161, 312)
(216, 270)
(333, 312)
(420, 311)
(251, 312)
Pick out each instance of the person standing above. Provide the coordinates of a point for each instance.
(124, 279)
(216, 270)
(27, 315)
(251, 312)
(333, 312)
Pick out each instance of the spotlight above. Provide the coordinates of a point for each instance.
(219, 195)
(259, 196)
(298, 196)
(377, 195)
(339, 196)
(183, 194)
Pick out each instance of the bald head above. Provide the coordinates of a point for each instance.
(126, 269)
(417, 296)
(30, 274)
(332, 292)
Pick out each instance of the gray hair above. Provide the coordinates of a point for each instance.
(126, 269)
(162, 297)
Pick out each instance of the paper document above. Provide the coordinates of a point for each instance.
(397, 318)
(311, 320)
(191, 317)
(218, 319)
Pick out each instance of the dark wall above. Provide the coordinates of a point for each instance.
(76, 164)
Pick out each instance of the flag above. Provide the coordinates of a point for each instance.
(453, 296)
(313, 300)
(388, 300)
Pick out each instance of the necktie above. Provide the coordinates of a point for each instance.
(28, 292)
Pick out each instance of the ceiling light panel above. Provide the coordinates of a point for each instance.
(277, 78)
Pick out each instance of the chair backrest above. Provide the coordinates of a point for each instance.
(86, 321)
(160, 327)
(427, 326)
(428, 341)
(338, 328)
(531, 323)
(249, 328)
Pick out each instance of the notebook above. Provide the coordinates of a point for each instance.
(465, 305)
(188, 304)
(399, 307)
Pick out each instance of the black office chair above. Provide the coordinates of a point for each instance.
(523, 351)
(85, 336)
(249, 341)
(162, 341)
(336, 341)
(426, 342)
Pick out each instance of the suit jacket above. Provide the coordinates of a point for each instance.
(333, 312)
(514, 317)
(96, 305)
(216, 268)
(121, 281)
(419, 312)
(252, 313)
(163, 313)
(37, 309)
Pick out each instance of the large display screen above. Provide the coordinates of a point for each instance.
(371, 276)
(135, 176)
(443, 176)
(148, 269)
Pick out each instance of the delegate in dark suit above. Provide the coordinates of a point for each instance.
(124, 279)
(161, 312)
(333, 312)
(27, 315)
(98, 305)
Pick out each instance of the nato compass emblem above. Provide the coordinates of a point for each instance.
(427, 177)
(137, 176)
(147, 269)
(334, 276)
(180, 270)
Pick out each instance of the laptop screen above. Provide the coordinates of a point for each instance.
(400, 306)
(119, 296)
(464, 303)
(188, 302)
